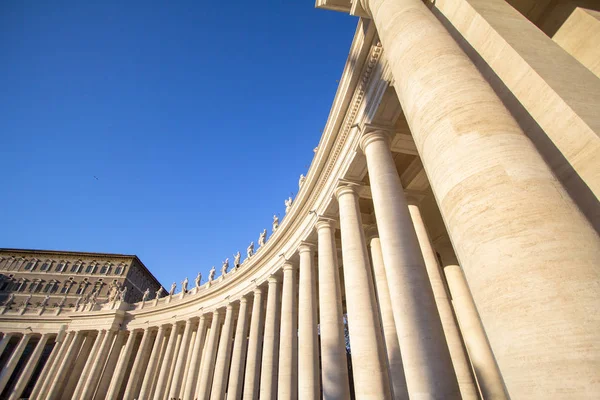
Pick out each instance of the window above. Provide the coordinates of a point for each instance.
(75, 268)
(49, 286)
(46, 266)
(65, 289)
(30, 266)
(61, 267)
(104, 269)
(90, 269)
(119, 270)
(4, 285)
(81, 289)
(22, 286)
(32, 286)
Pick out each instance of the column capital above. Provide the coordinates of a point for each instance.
(229, 307)
(288, 266)
(306, 247)
(371, 232)
(346, 188)
(324, 222)
(216, 313)
(273, 280)
(372, 134)
(243, 300)
(257, 290)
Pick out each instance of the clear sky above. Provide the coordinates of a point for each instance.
(172, 130)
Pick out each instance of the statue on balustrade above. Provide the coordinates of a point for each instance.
(146, 294)
(184, 285)
(122, 294)
(288, 204)
(262, 238)
(301, 180)
(198, 279)
(211, 274)
(236, 260)
(275, 222)
(160, 292)
(173, 287)
(250, 250)
(225, 266)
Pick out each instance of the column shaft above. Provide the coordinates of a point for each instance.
(120, 370)
(238, 358)
(390, 335)
(13, 360)
(308, 344)
(268, 371)
(287, 383)
(334, 362)
(150, 372)
(522, 242)
(207, 367)
(181, 361)
(4, 342)
(110, 365)
(98, 365)
(82, 365)
(223, 357)
(58, 379)
(139, 366)
(58, 354)
(163, 377)
(252, 377)
(194, 365)
(28, 370)
(368, 356)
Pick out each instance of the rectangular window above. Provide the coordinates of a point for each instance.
(48, 287)
(32, 286)
(74, 268)
(60, 267)
(80, 289)
(29, 266)
(104, 269)
(22, 286)
(90, 269)
(118, 270)
(65, 289)
(45, 266)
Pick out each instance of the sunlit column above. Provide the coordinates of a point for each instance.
(252, 377)
(99, 361)
(13, 360)
(287, 382)
(181, 360)
(268, 373)
(84, 362)
(4, 342)
(333, 344)
(223, 357)
(119, 374)
(194, 364)
(238, 358)
(29, 367)
(208, 363)
(149, 374)
(65, 364)
(368, 355)
(52, 365)
(163, 376)
(139, 366)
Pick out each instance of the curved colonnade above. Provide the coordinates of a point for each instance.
(355, 247)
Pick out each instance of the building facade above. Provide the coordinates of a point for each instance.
(443, 245)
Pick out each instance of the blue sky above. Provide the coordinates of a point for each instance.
(196, 117)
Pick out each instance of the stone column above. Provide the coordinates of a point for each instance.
(147, 383)
(194, 364)
(427, 365)
(13, 360)
(268, 374)
(238, 358)
(287, 383)
(223, 357)
(29, 367)
(52, 365)
(57, 380)
(163, 377)
(98, 365)
(462, 366)
(368, 356)
(308, 343)
(83, 364)
(139, 364)
(334, 362)
(514, 226)
(4, 342)
(390, 335)
(480, 353)
(252, 377)
(110, 365)
(120, 370)
(181, 361)
(208, 362)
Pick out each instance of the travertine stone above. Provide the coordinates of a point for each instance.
(82, 365)
(13, 360)
(238, 358)
(4, 342)
(252, 377)
(163, 377)
(287, 382)
(58, 353)
(148, 382)
(390, 335)
(334, 367)
(108, 371)
(223, 357)
(192, 377)
(119, 373)
(181, 360)
(520, 239)
(139, 366)
(268, 371)
(462, 366)
(207, 366)
(65, 364)
(98, 364)
(366, 341)
(29, 367)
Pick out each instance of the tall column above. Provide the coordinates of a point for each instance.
(252, 377)
(514, 226)
(52, 365)
(29, 367)
(268, 371)
(120, 370)
(287, 382)
(56, 383)
(138, 367)
(110, 365)
(13, 360)
(480, 352)
(147, 383)
(98, 365)
(390, 335)
(4, 342)
(181, 361)
(238, 358)
(208, 362)
(163, 377)
(334, 364)
(308, 343)
(83, 365)
(368, 356)
(462, 366)
(223, 357)
(194, 365)
(426, 359)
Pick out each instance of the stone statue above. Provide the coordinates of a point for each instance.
(160, 292)
(275, 222)
(301, 180)
(146, 294)
(288, 204)
(198, 279)
(44, 302)
(26, 301)
(122, 294)
(236, 260)
(184, 285)
(173, 287)
(250, 250)
(9, 300)
(225, 266)
(262, 238)
(211, 274)
(113, 292)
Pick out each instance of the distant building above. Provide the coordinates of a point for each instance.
(72, 274)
